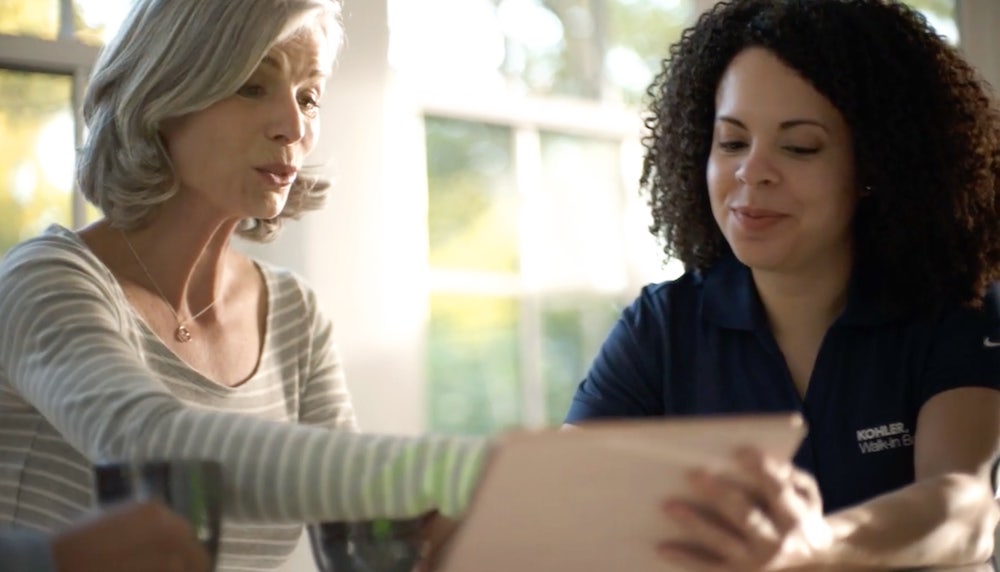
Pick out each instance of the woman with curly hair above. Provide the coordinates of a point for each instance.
(829, 173)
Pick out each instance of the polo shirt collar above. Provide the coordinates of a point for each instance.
(731, 299)
(863, 306)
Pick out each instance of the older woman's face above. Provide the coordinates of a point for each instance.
(781, 171)
(240, 155)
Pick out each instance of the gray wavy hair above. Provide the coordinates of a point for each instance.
(171, 58)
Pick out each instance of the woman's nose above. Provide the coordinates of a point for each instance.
(757, 168)
(288, 124)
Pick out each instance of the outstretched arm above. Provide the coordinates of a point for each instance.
(63, 350)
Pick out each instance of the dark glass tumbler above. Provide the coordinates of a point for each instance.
(380, 545)
(191, 488)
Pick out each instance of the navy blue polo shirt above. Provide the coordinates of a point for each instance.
(701, 345)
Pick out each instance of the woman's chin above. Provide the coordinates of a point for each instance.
(267, 212)
(761, 256)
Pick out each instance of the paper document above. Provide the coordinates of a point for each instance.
(590, 499)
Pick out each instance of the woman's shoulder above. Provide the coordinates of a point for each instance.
(667, 301)
(55, 246)
(286, 287)
(991, 301)
(684, 289)
(984, 314)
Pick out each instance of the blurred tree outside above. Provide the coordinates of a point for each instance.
(473, 203)
(36, 134)
(608, 50)
(573, 328)
(472, 359)
(944, 9)
(36, 117)
(39, 18)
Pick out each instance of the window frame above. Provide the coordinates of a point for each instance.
(528, 116)
(63, 56)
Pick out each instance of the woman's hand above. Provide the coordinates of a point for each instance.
(139, 536)
(766, 516)
(437, 533)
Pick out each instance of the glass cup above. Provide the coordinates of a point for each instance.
(191, 488)
(380, 545)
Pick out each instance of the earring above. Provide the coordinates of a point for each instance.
(866, 191)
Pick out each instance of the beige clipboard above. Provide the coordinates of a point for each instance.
(590, 499)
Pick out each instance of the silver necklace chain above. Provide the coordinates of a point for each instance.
(182, 333)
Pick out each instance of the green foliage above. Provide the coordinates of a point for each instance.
(942, 8)
(473, 205)
(28, 199)
(473, 364)
(573, 328)
(30, 18)
(29, 102)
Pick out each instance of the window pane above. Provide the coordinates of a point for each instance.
(940, 14)
(577, 234)
(473, 365)
(573, 329)
(639, 34)
(95, 21)
(591, 49)
(30, 18)
(36, 154)
(473, 205)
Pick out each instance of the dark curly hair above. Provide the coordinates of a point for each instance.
(926, 137)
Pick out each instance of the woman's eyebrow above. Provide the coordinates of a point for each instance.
(787, 124)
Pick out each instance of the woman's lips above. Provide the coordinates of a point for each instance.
(280, 179)
(757, 220)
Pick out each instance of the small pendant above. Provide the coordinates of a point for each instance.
(182, 334)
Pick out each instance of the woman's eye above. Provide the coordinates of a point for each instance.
(251, 90)
(309, 102)
(731, 145)
(802, 150)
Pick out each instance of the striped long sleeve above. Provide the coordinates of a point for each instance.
(68, 350)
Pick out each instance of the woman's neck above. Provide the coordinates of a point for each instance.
(807, 300)
(184, 253)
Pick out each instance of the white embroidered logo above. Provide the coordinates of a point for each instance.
(884, 438)
(987, 342)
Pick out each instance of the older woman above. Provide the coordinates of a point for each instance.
(146, 335)
(827, 170)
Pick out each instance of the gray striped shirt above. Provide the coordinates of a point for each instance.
(83, 379)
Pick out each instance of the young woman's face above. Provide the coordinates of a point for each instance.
(241, 155)
(781, 173)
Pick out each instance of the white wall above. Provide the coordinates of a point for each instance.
(364, 252)
(342, 249)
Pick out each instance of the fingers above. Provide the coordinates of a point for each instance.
(807, 487)
(733, 503)
(740, 520)
(437, 532)
(701, 529)
(786, 493)
(692, 558)
(724, 517)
